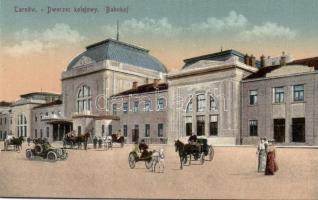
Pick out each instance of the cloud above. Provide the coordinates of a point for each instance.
(160, 27)
(267, 31)
(37, 42)
(24, 47)
(232, 21)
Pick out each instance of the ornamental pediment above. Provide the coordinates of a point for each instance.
(84, 60)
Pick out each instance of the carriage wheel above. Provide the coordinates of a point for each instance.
(132, 161)
(148, 164)
(51, 156)
(211, 153)
(202, 158)
(29, 154)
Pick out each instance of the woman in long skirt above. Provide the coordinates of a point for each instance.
(271, 165)
(261, 151)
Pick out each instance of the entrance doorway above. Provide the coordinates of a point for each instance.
(279, 130)
(298, 129)
(135, 135)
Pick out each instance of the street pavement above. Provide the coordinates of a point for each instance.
(98, 173)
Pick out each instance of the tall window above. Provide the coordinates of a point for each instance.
(279, 95)
(36, 118)
(160, 130)
(147, 130)
(5, 120)
(298, 92)
(160, 103)
(84, 99)
(36, 133)
(41, 133)
(213, 105)
(114, 109)
(125, 130)
(125, 107)
(136, 105)
(201, 102)
(47, 132)
(22, 125)
(253, 97)
(189, 107)
(214, 125)
(188, 122)
(253, 127)
(147, 106)
(110, 129)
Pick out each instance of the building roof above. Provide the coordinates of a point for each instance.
(218, 56)
(39, 93)
(310, 62)
(53, 103)
(121, 52)
(144, 89)
(5, 104)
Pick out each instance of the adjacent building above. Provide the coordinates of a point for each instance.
(281, 102)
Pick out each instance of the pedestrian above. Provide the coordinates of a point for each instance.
(262, 154)
(271, 164)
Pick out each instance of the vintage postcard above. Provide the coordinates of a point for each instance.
(169, 99)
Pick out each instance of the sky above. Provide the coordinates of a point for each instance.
(36, 47)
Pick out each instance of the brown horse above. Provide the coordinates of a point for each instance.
(186, 150)
(16, 142)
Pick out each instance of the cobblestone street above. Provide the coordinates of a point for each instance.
(99, 173)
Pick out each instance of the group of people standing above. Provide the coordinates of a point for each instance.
(266, 157)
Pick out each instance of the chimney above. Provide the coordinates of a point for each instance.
(135, 85)
(156, 82)
(262, 61)
(246, 59)
(252, 61)
(283, 59)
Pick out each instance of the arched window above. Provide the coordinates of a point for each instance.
(84, 99)
(213, 104)
(189, 107)
(22, 125)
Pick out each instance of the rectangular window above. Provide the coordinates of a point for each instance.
(147, 130)
(114, 109)
(298, 92)
(253, 127)
(160, 104)
(36, 133)
(201, 103)
(47, 132)
(200, 125)
(147, 106)
(279, 95)
(214, 125)
(125, 107)
(110, 129)
(41, 133)
(135, 108)
(160, 130)
(103, 129)
(188, 122)
(5, 120)
(253, 97)
(36, 118)
(125, 130)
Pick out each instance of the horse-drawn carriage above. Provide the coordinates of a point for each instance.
(198, 150)
(16, 143)
(114, 138)
(71, 140)
(42, 148)
(134, 157)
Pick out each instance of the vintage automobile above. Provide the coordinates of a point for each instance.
(43, 149)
